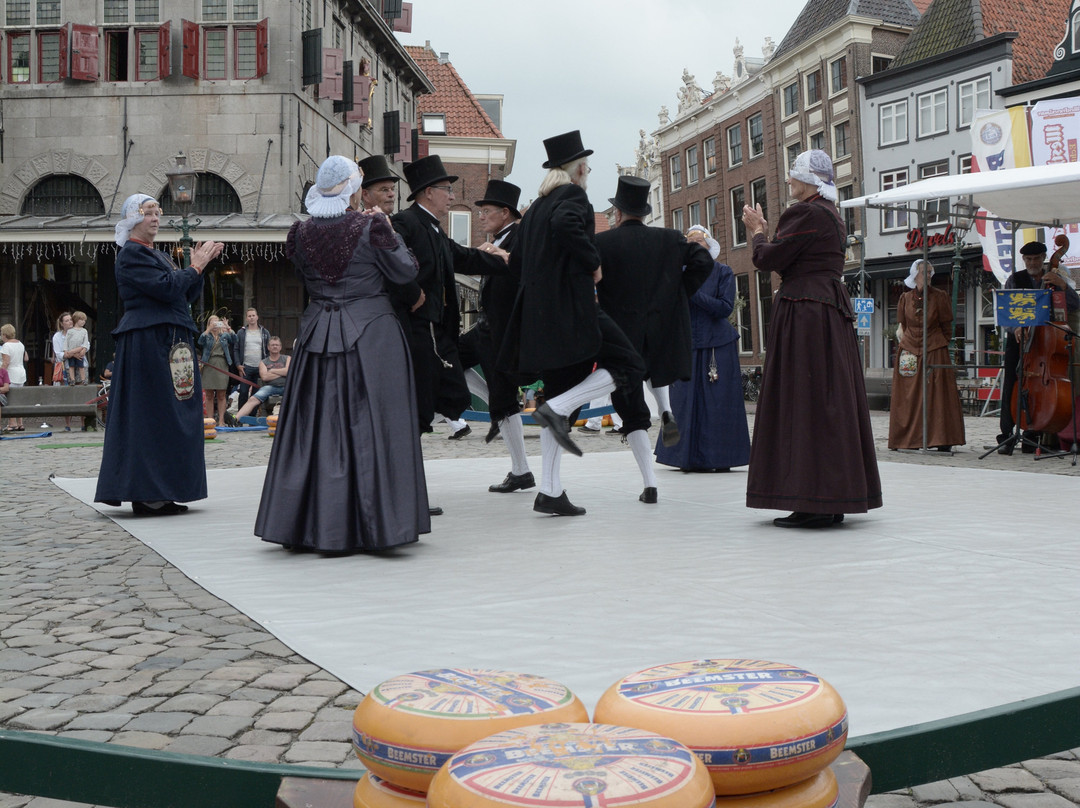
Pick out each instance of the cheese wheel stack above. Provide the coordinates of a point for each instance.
(573, 765)
(374, 792)
(408, 726)
(209, 428)
(271, 425)
(757, 726)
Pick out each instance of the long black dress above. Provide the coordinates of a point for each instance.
(813, 448)
(345, 472)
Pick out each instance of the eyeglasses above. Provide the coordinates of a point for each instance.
(448, 188)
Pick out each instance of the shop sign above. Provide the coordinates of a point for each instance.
(946, 238)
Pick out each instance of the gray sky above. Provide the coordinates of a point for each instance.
(628, 60)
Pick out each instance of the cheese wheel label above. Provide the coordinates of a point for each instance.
(773, 754)
(466, 694)
(573, 765)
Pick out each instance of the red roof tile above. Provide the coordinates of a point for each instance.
(601, 220)
(1041, 25)
(452, 97)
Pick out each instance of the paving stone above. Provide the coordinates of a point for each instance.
(941, 791)
(101, 721)
(287, 704)
(94, 703)
(35, 700)
(1010, 778)
(124, 687)
(329, 689)
(1044, 799)
(15, 660)
(890, 801)
(224, 726)
(8, 710)
(289, 722)
(63, 669)
(197, 703)
(199, 745)
(1058, 769)
(232, 707)
(71, 686)
(321, 751)
(1069, 789)
(97, 736)
(159, 722)
(328, 731)
(256, 694)
(256, 754)
(262, 737)
(142, 740)
(278, 681)
(220, 687)
(42, 718)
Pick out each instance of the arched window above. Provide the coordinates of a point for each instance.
(213, 196)
(63, 194)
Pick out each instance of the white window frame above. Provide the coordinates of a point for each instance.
(693, 165)
(819, 88)
(833, 89)
(736, 215)
(460, 228)
(784, 93)
(933, 113)
(892, 123)
(939, 208)
(675, 171)
(677, 221)
(709, 149)
(750, 153)
(837, 155)
(979, 95)
(735, 129)
(693, 214)
(892, 219)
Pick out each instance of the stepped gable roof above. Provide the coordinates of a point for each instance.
(817, 15)
(951, 24)
(452, 97)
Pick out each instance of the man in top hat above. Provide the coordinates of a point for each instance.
(498, 213)
(379, 186)
(1032, 276)
(428, 307)
(557, 332)
(649, 275)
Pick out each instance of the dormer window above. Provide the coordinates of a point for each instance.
(433, 123)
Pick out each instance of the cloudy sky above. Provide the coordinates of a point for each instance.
(602, 66)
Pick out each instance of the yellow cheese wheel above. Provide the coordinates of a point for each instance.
(374, 792)
(408, 726)
(820, 791)
(756, 725)
(209, 434)
(209, 423)
(573, 765)
(271, 425)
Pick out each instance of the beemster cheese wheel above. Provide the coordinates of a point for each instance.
(573, 765)
(820, 791)
(408, 726)
(757, 725)
(374, 792)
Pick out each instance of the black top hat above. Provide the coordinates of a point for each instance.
(502, 193)
(1033, 248)
(632, 196)
(376, 169)
(424, 172)
(563, 149)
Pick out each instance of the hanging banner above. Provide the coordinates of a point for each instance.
(1055, 133)
(999, 139)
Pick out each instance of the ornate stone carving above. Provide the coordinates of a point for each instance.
(769, 48)
(721, 82)
(216, 161)
(663, 116)
(61, 161)
(690, 94)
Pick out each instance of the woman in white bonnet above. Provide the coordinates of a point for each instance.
(153, 453)
(813, 449)
(922, 303)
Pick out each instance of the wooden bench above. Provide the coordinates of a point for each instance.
(45, 401)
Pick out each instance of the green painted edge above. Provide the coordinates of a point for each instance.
(125, 777)
(973, 742)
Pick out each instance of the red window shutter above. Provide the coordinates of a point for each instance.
(165, 50)
(361, 111)
(404, 153)
(262, 48)
(333, 60)
(403, 24)
(83, 42)
(64, 56)
(191, 48)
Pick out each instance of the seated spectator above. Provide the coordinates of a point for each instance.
(272, 373)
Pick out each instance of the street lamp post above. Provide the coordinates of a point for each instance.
(182, 181)
(963, 217)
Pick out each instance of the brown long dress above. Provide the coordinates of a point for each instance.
(945, 417)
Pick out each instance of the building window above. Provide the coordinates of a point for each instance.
(738, 202)
(710, 156)
(972, 96)
(18, 12)
(433, 123)
(49, 57)
(879, 63)
(215, 10)
(245, 48)
(691, 165)
(677, 220)
(63, 194)
(308, 16)
(793, 151)
(963, 164)
(791, 99)
(844, 193)
(48, 12)
(712, 205)
(813, 88)
(756, 127)
(841, 140)
(937, 210)
(676, 172)
(460, 226)
(693, 213)
(215, 197)
(893, 218)
(146, 11)
(148, 65)
(817, 140)
(18, 58)
(734, 145)
(742, 292)
(245, 9)
(116, 55)
(933, 113)
(758, 196)
(892, 123)
(838, 75)
(214, 40)
(116, 11)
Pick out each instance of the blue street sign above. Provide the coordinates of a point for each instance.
(863, 305)
(862, 323)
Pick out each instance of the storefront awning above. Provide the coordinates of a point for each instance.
(229, 228)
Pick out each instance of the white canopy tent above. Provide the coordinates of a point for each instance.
(1037, 195)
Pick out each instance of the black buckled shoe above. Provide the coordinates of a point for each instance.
(514, 482)
(166, 508)
(556, 506)
(461, 433)
(669, 430)
(492, 433)
(559, 426)
(648, 496)
(434, 510)
(809, 520)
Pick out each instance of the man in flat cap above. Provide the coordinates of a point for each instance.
(557, 331)
(1032, 276)
(649, 275)
(498, 214)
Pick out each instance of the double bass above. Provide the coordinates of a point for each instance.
(1042, 398)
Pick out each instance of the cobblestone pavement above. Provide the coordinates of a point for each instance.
(101, 639)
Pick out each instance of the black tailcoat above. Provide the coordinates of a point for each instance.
(649, 276)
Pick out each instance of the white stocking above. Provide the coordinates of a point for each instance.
(513, 435)
(551, 459)
(595, 385)
(639, 445)
(663, 400)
